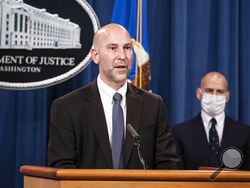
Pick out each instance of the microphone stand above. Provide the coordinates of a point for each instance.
(136, 137)
(137, 144)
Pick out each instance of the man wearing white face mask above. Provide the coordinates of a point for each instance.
(201, 140)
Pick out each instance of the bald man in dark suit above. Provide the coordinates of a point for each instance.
(195, 137)
(81, 122)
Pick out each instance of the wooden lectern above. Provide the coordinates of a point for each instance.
(45, 177)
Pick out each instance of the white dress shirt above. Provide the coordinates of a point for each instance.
(107, 94)
(220, 119)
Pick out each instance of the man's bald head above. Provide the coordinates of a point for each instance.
(213, 83)
(104, 31)
(214, 75)
(213, 93)
(112, 51)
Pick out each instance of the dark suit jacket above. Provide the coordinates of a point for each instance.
(193, 147)
(79, 138)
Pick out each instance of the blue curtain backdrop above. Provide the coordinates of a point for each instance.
(187, 38)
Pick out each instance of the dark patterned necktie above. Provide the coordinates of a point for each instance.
(214, 143)
(117, 132)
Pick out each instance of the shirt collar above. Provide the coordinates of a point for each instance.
(109, 92)
(206, 118)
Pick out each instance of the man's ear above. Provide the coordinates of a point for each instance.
(228, 96)
(198, 93)
(95, 55)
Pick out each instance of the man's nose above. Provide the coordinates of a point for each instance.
(121, 54)
(215, 92)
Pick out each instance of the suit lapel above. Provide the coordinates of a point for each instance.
(200, 133)
(97, 117)
(227, 134)
(134, 112)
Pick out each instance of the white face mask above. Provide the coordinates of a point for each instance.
(213, 104)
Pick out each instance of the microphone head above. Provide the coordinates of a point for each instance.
(133, 132)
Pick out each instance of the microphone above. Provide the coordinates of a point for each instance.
(133, 132)
(136, 137)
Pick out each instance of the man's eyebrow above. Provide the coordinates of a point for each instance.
(115, 44)
(130, 44)
(221, 90)
(112, 44)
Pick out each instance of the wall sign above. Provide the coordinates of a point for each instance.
(43, 43)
